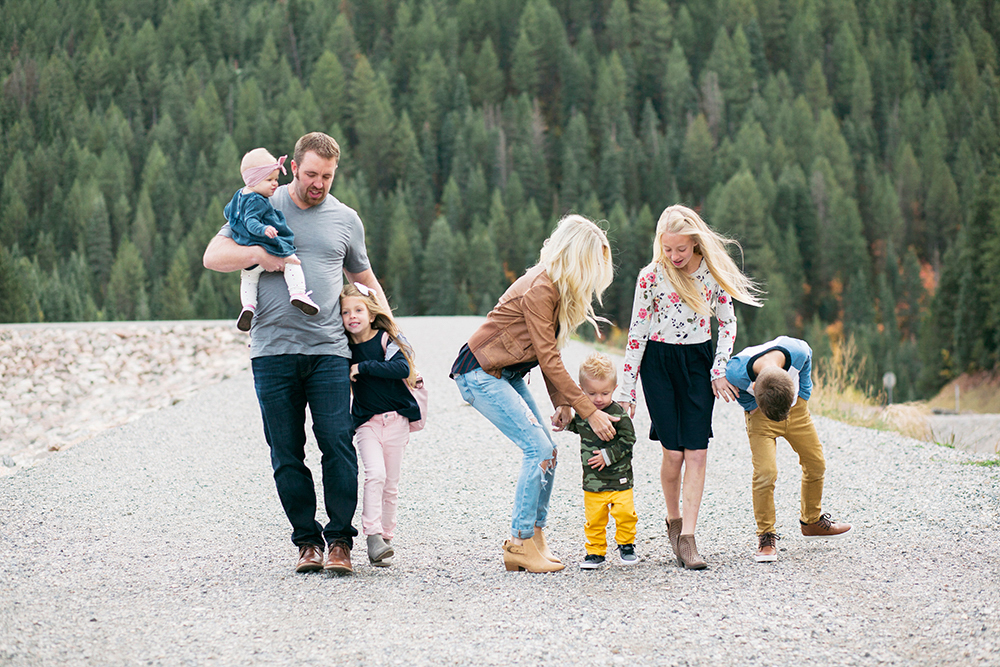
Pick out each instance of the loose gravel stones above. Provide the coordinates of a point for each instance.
(161, 542)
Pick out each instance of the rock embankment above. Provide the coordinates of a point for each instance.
(62, 384)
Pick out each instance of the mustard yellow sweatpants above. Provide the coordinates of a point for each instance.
(598, 506)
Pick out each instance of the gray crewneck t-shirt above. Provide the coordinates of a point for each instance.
(329, 238)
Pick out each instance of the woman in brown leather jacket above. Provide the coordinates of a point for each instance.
(529, 325)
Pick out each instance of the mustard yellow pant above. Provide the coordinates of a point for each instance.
(598, 506)
(800, 433)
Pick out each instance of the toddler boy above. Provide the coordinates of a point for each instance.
(607, 467)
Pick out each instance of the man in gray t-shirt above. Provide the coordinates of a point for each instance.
(301, 360)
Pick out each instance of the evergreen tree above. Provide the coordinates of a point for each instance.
(908, 183)
(617, 300)
(831, 144)
(694, 174)
(144, 227)
(501, 231)
(14, 307)
(653, 36)
(912, 296)
(402, 277)
(817, 93)
(679, 90)
(328, 85)
(487, 79)
(739, 212)
(940, 223)
(577, 161)
(374, 123)
(618, 26)
(529, 230)
(612, 94)
(485, 277)
(611, 170)
(417, 183)
(208, 302)
(656, 169)
(173, 296)
(98, 242)
(126, 299)
(13, 208)
(524, 69)
(859, 324)
(437, 276)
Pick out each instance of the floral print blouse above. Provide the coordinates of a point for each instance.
(659, 314)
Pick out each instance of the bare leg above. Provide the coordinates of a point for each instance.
(670, 480)
(695, 461)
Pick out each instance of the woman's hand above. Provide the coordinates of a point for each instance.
(628, 407)
(724, 390)
(562, 417)
(602, 424)
(354, 372)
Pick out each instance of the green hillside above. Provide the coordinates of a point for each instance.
(850, 145)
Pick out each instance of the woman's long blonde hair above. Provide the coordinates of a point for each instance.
(709, 244)
(385, 322)
(577, 257)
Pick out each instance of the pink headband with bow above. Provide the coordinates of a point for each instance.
(254, 175)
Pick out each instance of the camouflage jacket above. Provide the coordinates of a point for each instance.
(617, 473)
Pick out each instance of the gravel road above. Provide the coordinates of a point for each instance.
(161, 542)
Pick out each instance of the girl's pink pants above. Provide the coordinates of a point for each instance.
(381, 441)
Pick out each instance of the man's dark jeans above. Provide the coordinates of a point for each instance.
(285, 385)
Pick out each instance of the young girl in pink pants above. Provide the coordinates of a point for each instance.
(382, 409)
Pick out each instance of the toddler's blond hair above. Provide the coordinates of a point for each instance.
(598, 366)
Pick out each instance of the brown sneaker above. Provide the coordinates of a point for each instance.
(767, 548)
(338, 559)
(825, 529)
(310, 558)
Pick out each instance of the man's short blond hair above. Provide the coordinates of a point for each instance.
(598, 366)
(319, 143)
(774, 390)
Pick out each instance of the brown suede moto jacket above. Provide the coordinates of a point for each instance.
(522, 328)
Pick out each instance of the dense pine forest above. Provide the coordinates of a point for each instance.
(850, 145)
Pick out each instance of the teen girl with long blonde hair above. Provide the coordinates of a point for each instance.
(691, 278)
(529, 325)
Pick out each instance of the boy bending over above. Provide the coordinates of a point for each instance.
(774, 385)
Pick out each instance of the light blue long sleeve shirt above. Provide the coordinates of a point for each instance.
(798, 363)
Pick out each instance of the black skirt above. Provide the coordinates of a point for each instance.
(677, 384)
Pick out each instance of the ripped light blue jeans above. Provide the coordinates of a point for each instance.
(507, 403)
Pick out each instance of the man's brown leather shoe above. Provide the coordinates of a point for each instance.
(310, 558)
(338, 559)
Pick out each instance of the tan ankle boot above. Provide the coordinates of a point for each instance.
(543, 547)
(525, 556)
(673, 533)
(688, 554)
